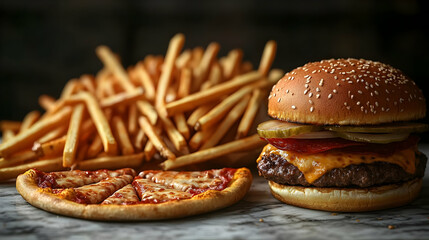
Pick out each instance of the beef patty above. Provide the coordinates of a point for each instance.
(277, 169)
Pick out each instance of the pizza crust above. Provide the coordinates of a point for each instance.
(208, 201)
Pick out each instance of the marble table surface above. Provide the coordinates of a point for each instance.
(257, 216)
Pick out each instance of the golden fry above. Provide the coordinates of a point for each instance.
(155, 138)
(29, 120)
(122, 136)
(175, 46)
(244, 144)
(113, 64)
(49, 165)
(213, 93)
(110, 162)
(72, 139)
(27, 138)
(146, 81)
(267, 57)
(250, 113)
(226, 123)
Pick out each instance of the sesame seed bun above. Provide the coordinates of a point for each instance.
(346, 92)
(348, 199)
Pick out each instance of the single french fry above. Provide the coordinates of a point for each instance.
(274, 76)
(155, 138)
(70, 88)
(149, 151)
(232, 63)
(244, 144)
(148, 110)
(18, 158)
(122, 99)
(184, 83)
(153, 66)
(132, 119)
(113, 64)
(249, 114)
(53, 148)
(226, 123)
(72, 139)
(112, 162)
(122, 135)
(87, 82)
(95, 147)
(7, 134)
(201, 72)
(197, 55)
(27, 138)
(198, 113)
(183, 59)
(100, 79)
(100, 121)
(47, 102)
(54, 134)
(10, 125)
(139, 140)
(146, 81)
(173, 134)
(182, 126)
(199, 138)
(220, 110)
(48, 165)
(215, 76)
(174, 47)
(29, 120)
(267, 57)
(202, 97)
(246, 67)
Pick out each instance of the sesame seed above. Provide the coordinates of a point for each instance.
(311, 102)
(310, 94)
(293, 107)
(317, 95)
(317, 89)
(278, 100)
(358, 103)
(311, 109)
(359, 91)
(334, 91)
(274, 95)
(305, 91)
(330, 96)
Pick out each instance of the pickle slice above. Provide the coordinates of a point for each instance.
(406, 127)
(281, 129)
(374, 138)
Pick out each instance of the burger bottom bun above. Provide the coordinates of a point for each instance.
(348, 199)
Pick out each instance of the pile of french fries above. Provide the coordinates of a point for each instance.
(176, 108)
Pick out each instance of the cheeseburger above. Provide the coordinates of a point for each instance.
(345, 138)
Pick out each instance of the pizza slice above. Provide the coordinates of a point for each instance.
(151, 192)
(94, 193)
(125, 195)
(78, 178)
(194, 182)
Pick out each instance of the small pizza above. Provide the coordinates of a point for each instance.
(122, 195)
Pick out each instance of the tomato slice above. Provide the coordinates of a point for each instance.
(321, 145)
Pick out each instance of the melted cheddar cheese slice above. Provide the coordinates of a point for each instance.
(313, 166)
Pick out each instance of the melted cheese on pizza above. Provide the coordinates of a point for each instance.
(97, 192)
(125, 195)
(151, 192)
(193, 182)
(313, 166)
(77, 178)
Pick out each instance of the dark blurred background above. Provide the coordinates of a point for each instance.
(45, 43)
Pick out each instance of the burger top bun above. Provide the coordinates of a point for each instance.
(346, 92)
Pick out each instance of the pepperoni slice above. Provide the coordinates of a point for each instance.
(321, 145)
